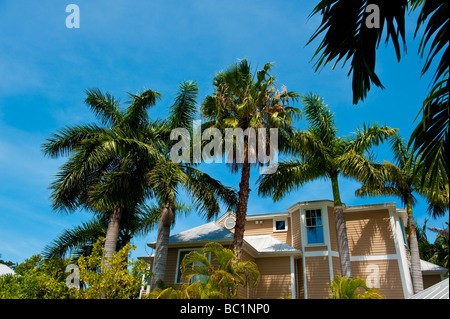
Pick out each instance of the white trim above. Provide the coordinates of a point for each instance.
(275, 220)
(368, 207)
(332, 253)
(325, 228)
(400, 250)
(292, 262)
(266, 216)
(326, 236)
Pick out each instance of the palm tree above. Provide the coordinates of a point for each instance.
(215, 282)
(223, 281)
(246, 101)
(352, 288)
(319, 153)
(78, 241)
(167, 178)
(102, 174)
(403, 179)
(347, 37)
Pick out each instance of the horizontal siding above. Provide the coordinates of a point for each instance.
(296, 230)
(430, 280)
(332, 228)
(300, 289)
(369, 233)
(246, 292)
(266, 228)
(317, 277)
(275, 280)
(171, 265)
(388, 272)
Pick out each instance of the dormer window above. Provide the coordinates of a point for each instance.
(280, 224)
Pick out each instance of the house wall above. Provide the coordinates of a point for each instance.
(430, 280)
(372, 252)
(171, 265)
(374, 255)
(249, 291)
(317, 272)
(266, 228)
(296, 230)
(275, 280)
(381, 274)
(369, 233)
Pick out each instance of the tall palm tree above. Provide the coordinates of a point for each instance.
(319, 153)
(346, 36)
(99, 175)
(247, 101)
(403, 179)
(167, 179)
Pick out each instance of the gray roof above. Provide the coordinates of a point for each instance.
(268, 244)
(204, 233)
(5, 270)
(430, 268)
(259, 244)
(438, 291)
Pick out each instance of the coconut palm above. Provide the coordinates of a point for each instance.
(115, 169)
(318, 152)
(242, 100)
(347, 37)
(101, 173)
(402, 179)
(167, 179)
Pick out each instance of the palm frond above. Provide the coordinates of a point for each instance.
(289, 176)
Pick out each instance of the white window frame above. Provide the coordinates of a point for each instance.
(275, 220)
(324, 214)
(178, 280)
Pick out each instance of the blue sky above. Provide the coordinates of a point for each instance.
(130, 46)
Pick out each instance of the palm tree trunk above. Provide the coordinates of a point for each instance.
(341, 229)
(112, 234)
(416, 271)
(241, 209)
(162, 246)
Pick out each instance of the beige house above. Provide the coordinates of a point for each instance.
(297, 255)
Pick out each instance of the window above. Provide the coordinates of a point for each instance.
(181, 254)
(280, 224)
(314, 226)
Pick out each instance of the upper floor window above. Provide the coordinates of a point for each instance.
(280, 224)
(314, 226)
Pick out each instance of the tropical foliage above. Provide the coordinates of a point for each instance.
(437, 252)
(36, 278)
(77, 241)
(115, 278)
(352, 288)
(105, 171)
(245, 100)
(320, 153)
(403, 179)
(347, 37)
(214, 282)
(167, 178)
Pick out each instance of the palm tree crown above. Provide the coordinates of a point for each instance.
(320, 153)
(247, 101)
